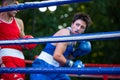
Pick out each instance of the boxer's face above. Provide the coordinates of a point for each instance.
(14, 12)
(78, 26)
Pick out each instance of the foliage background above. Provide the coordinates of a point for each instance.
(104, 13)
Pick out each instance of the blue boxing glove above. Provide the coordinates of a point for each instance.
(83, 48)
(76, 64)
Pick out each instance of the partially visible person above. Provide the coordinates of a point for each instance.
(11, 28)
(62, 54)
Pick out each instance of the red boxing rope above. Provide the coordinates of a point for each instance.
(97, 76)
(102, 65)
(87, 65)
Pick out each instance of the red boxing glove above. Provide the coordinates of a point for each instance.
(29, 46)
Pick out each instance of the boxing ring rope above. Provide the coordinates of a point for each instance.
(28, 5)
(87, 64)
(109, 69)
(79, 37)
(104, 76)
(102, 65)
(63, 70)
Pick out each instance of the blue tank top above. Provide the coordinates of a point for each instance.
(51, 48)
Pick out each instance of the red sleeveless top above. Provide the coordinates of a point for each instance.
(9, 31)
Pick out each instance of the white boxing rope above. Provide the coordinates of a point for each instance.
(38, 4)
(56, 39)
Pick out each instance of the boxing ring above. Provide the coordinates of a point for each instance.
(88, 70)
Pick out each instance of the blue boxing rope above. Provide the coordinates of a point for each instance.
(87, 70)
(79, 37)
(27, 5)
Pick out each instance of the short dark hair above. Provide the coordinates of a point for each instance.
(83, 16)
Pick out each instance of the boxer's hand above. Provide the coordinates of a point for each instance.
(69, 63)
(76, 64)
(29, 46)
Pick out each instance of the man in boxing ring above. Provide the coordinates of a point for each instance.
(11, 28)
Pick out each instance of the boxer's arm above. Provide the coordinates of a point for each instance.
(21, 27)
(22, 34)
(60, 47)
(29, 46)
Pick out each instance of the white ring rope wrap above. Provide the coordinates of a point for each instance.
(80, 37)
